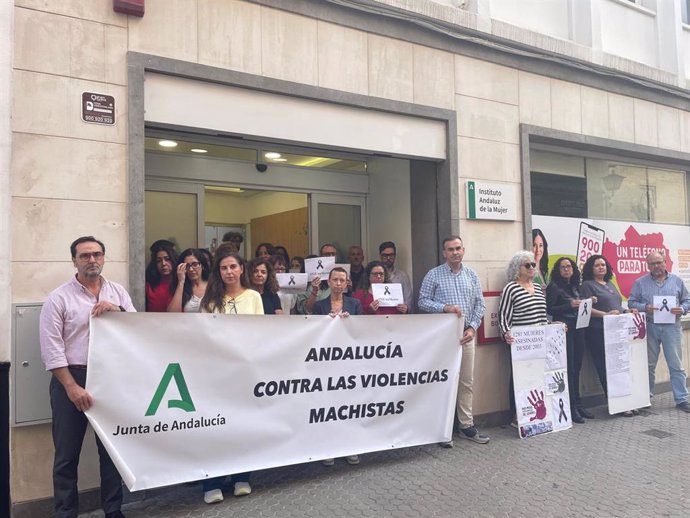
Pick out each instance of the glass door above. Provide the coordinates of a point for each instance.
(338, 220)
(174, 211)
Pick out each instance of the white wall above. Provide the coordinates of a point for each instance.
(388, 210)
(628, 32)
(543, 16)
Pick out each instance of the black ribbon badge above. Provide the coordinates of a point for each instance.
(320, 265)
(292, 280)
(664, 305)
(386, 291)
(562, 415)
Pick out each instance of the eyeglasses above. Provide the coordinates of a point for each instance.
(530, 266)
(566, 267)
(387, 256)
(86, 256)
(193, 265)
(656, 263)
(377, 274)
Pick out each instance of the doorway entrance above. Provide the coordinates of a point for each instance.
(190, 200)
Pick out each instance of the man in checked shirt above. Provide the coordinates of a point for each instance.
(454, 288)
(64, 331)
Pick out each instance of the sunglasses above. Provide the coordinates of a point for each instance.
(530, 266)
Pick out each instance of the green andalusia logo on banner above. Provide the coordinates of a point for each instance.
(174, 371)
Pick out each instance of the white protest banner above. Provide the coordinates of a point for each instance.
(540, 378)
(184, 396)
(296, 282)
(584, 313)
(319, 266)
(625, 344)
(388, 294)
(662, 309)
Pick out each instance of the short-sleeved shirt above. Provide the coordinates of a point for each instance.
(608, 299)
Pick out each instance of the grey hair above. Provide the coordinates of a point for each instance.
(518, 259)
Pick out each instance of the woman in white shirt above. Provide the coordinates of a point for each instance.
(189, 285)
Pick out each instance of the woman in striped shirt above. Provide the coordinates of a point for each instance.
(522, 303)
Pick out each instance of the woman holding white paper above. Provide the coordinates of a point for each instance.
(596, 284)
(375, 273)
(562, 302)
(287, 300)
(522, 303)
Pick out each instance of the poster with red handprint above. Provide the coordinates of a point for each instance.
(540, 379)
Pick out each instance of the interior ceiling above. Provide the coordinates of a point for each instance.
(264, 154)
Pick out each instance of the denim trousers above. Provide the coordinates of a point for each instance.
(667, 336)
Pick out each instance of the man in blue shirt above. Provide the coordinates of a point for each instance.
(454, 288)
(661, 283)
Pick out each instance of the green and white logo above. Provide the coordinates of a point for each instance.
(174, 371)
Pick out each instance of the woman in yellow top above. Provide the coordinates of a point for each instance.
(228, 292)
(228, 287)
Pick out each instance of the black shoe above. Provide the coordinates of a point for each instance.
(684, 406)
(575, 416)
(585, 413)
(115, 514)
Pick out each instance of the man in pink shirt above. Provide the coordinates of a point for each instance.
(64, 330)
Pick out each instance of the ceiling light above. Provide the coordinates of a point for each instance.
(198, 150)
(272, 155)
(167, 143)
(280, 159)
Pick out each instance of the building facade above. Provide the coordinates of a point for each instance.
(354, 121)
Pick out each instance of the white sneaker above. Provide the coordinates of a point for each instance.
(352, 459)
(328, 462)
(242, 488)
(214, 496)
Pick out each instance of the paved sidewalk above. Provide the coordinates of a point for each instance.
(610, 466)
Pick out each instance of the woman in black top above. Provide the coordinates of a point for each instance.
(562, 302)
(262, 278)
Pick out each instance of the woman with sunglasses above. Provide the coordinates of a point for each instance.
(522, 303)
(189, 285)
(228, 292)
(375, 273)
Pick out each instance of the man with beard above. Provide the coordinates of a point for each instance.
(387, 252)
(64, 332)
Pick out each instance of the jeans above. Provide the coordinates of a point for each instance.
(69, 428)
(667, 336)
